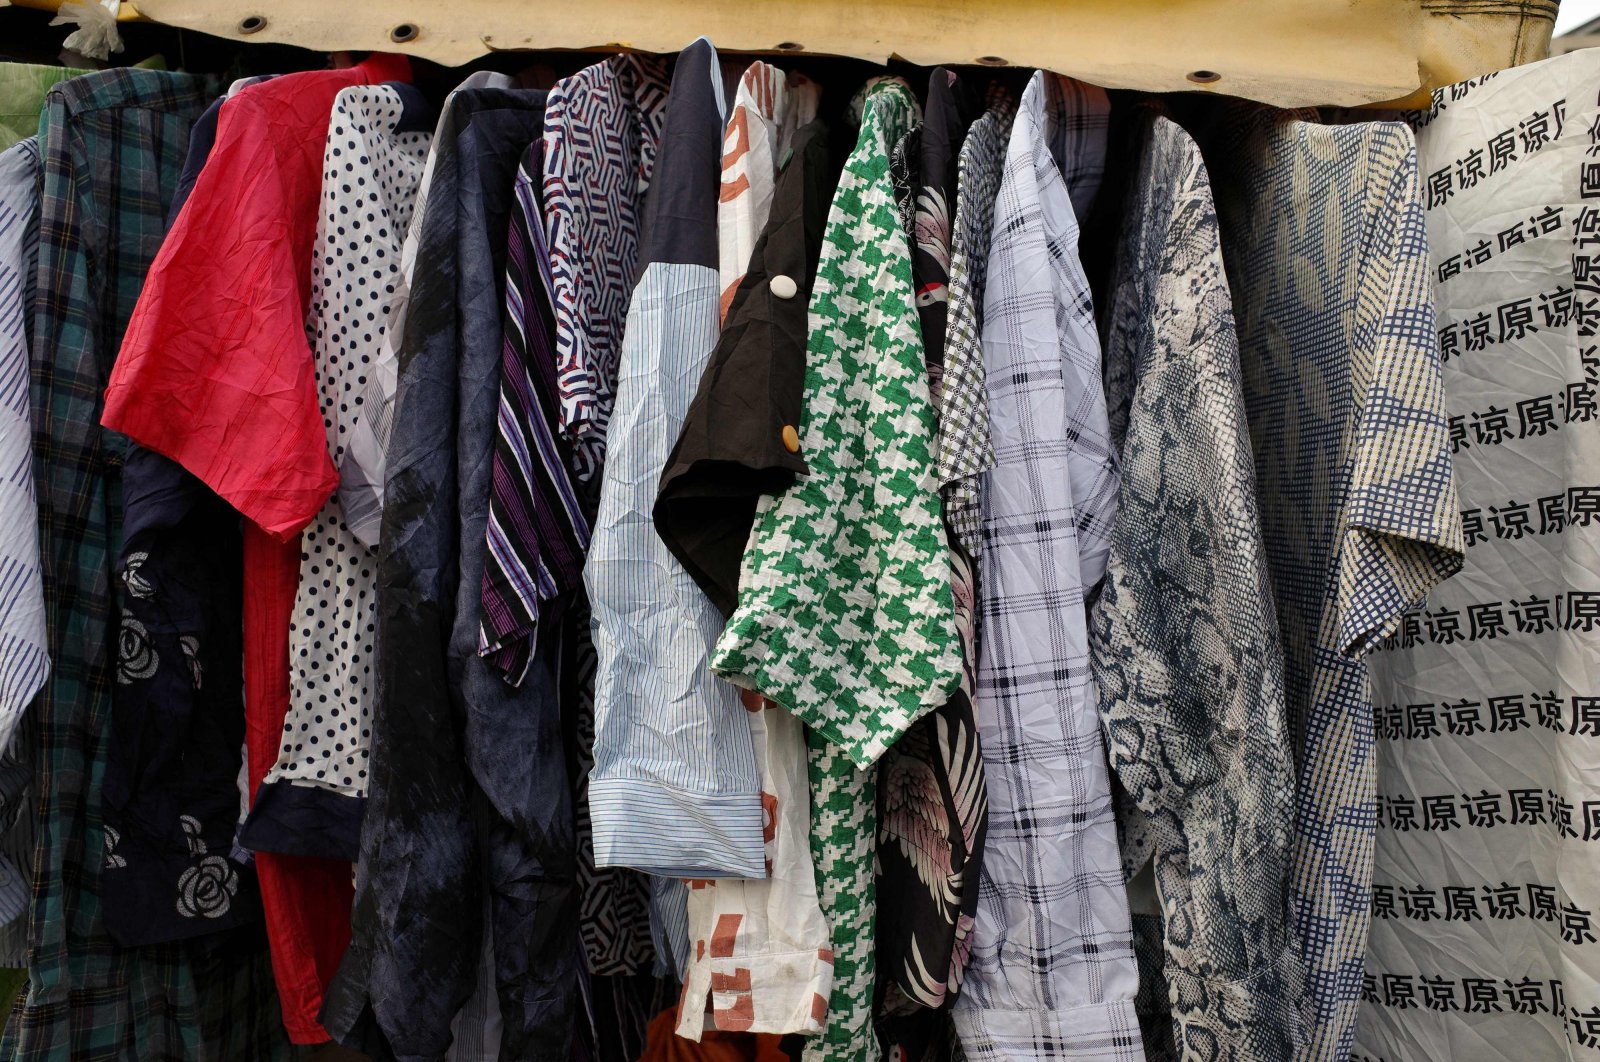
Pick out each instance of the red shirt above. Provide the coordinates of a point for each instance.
(216, 372)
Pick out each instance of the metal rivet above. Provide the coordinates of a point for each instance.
(252, 24)
(1204, 77)
(990, 60)
(403, 32)
(789, 46)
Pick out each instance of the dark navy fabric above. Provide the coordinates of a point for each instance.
(171, 784)
(469, 788)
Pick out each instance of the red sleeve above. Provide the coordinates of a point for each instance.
(215, 370)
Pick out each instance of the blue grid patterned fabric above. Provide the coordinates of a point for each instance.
(1328, 259)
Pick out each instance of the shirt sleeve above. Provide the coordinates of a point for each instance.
(215, 370)
(1402, 526)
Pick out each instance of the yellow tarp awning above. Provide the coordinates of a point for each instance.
(1285, 52)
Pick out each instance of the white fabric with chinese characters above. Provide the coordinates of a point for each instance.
(1486, 892)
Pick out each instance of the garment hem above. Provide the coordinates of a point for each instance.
(302, 820)
(658, 829)
(766, 974)
(1107, 1030)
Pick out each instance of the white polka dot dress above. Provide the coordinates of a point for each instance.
(370, 178)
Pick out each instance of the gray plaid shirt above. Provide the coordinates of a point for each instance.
(1052, 973)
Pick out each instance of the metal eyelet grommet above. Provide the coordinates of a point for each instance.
(252, 24)
(403, 33)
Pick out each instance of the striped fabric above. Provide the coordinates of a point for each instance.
(1052, 973)
(24, 660)
(538, 532)
(1345, 402)
(674, 789)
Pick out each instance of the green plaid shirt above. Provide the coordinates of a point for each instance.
(112, 144)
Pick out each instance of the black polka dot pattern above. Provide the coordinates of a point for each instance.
(369, 188)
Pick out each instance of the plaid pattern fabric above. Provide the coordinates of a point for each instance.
(112, 144)
(1184, 638)
(1324, 239)
(1052, 971)
(965, 451)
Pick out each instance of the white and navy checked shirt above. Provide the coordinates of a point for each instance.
(1052, 972)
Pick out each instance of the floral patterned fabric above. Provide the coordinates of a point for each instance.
(932, 802)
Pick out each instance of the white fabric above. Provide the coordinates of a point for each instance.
(1486, 894)
(369, 183)
(768, 107)
(24, 652)
(24, 659)
(772, 930)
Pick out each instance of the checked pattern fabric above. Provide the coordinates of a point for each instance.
(1052, 972)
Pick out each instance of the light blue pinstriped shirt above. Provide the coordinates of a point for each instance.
(674, 790)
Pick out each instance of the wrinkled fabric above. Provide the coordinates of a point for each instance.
(538, 529)
(664, 1046)
(310, 802)
(818, 544)
(674, 790)
(225, 386)
(770, 934)
(1486, 886)
(449, 815)
(601, 137)
(1323, 238)
(171, 806)
(365, 464)
(932, 802)
(112, 144)
(1052, 973)
(965, 451)
(857, 665)
(769, 108)
(1184, 638)
(25, 658)
(614, 902)
(23, 88)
